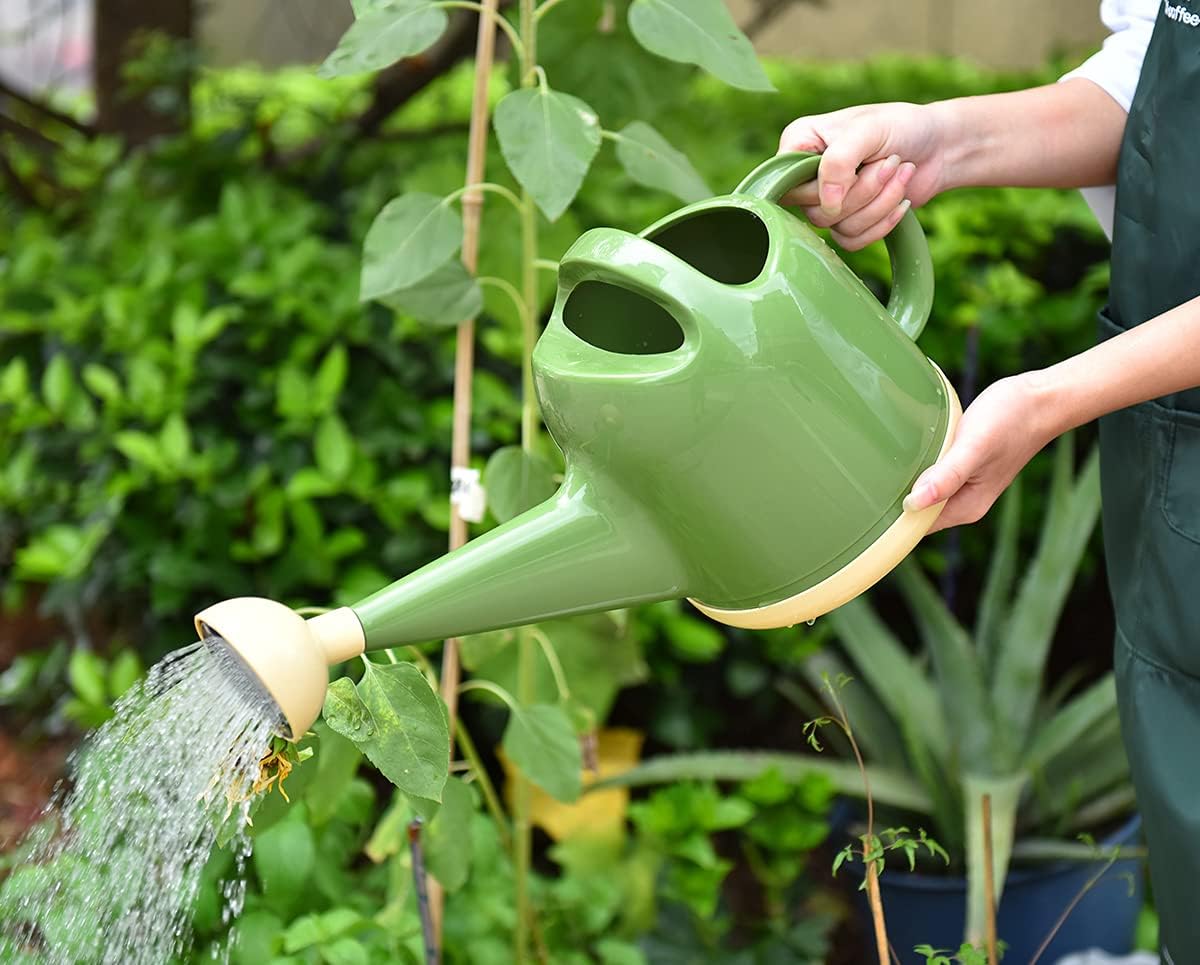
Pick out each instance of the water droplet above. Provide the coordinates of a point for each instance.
(812, 622)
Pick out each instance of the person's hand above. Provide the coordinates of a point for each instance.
(877, 160)
(999, 433)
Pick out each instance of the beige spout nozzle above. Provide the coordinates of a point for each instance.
(289, 655)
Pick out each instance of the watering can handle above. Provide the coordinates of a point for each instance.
(912, 268)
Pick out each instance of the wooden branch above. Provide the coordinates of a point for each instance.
(44, 110)
(28, 134)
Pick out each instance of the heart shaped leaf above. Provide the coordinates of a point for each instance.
(443, 299)
(542, 743)
(383, 34)
(548, 140)
(649, 159)
(516, 481)
(413, 235)
(699, 32)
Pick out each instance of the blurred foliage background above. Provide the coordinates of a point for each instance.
(194, 405)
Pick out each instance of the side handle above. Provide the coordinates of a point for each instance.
(912, 268)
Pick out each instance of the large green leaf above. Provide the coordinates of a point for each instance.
(955, 662)
(412, 236)
(997, 587)
(542, 743)
(1021, 661)
(397, 720)
(1005, 794)
(894, 788)
(548, 140)
(284, 856)
(515, 481)
(383, 34)
(337, 764)
(893, 675)
(699, 32)
(443, 299)
(447, 840)
(650, 159)
(1063, 731)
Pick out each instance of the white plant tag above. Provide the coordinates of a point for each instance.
(467, 494)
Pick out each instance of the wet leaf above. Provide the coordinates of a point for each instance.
(548, 140)
(700, 32)
(412, 236)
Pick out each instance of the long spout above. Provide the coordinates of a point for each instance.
(562, 557)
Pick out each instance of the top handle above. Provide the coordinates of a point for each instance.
(912, 268)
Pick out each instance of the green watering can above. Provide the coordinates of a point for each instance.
(741, 420)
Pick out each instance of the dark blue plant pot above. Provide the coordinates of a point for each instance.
(931, 910)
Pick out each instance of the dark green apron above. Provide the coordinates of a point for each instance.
(1151, 476)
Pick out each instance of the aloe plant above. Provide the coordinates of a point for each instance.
(967, 715)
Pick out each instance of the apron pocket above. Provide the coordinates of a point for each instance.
(1181, 489)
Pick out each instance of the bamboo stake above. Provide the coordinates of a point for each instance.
(989, 883)
(464, 356)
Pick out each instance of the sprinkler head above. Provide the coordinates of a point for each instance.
(290, 656)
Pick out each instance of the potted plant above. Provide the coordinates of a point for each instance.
(966, 716)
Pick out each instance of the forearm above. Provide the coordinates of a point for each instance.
(1063, 135)
(1156, 358)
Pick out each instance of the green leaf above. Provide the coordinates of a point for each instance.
(60, 552)
(345, 712)
(333, 447)
(446, 297)
(542, 743)
(345, 951)
(384, 34)
(102, 382)
(397, 720)
(58, 384)
(447, 839)
(1021, 660)
(284, 856)
(314, 929)
(699, 32)
(175, 441)
(330, 377)
(86, 672)
(337, 764)
(256, 935)
(650, 159)
(894, 788)
(1062, 732)
(391, 832)
(14, 381)
(412, 236)
(140, 448)
(516, 481)
(123, 673)
(994, 601)
(548, 140)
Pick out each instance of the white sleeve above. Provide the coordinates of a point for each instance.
(1115, 69)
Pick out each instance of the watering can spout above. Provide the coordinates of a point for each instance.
(563, 557)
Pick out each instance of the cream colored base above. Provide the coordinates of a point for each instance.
(289, 655)
(860, 574)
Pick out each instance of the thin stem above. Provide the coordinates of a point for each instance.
(560, 678)
(522, 800)
(508, 289)
(543, 82)
(546, 264)
(496, 18)
(494, 689)
(487, 186)
(546, 7)
(873, 897)
(491, 799)
(989, 885)
(1062, 919)
(311, 611)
